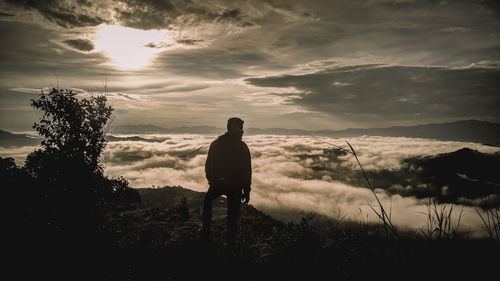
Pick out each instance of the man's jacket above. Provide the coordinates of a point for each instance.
(229, 163)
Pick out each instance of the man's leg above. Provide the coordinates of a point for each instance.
(233, 208)
(211, 194)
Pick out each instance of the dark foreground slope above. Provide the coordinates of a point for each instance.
(159, 241)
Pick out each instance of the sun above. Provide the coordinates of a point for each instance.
(130, 48)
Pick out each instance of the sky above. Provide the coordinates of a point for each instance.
(290, 64)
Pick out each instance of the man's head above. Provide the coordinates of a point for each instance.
(235, 126)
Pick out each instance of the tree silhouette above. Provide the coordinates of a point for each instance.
(73, 128)
(70, 185)
(60, 200)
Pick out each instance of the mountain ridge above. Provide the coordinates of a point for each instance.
(464, 130)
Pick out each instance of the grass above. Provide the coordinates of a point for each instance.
(440, 218)
(439, 224)
(491, 220)
(160, 244)
(340, 215)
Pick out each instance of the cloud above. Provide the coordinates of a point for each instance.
(28, 90)
(383, 93)
(35, 51)
(456, 29)
(67, 14)
(80, 44)
(3, 14)
(17, 153)
(123, 96)
(213, 62)
(294, 172)
(188, 41)
(222, 42)
(235, 17)
(141, 14)
(160, 45)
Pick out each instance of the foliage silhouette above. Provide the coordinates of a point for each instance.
(73, 128)
(67, 164)
(61, 192)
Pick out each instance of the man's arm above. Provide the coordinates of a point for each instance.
(209, 167)
(247, 173)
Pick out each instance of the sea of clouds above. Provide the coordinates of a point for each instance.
(292, 173)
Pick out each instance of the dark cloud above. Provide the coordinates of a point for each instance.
(492, 6)
(406, 32)
(159, 89)
(127, 156)
(63, 13)
(160, 45)
(81, 44)
(125, 96)
(4, 14)
(15, 110)
(155, 14)
(235, 17)
(187, 88)
(371, 92)
(212, 62)
(149, 14)
(142, 14)
(188, 41)
(32, 50)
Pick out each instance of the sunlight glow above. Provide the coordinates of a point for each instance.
(130, 48)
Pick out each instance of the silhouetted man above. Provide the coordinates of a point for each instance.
(229, 172)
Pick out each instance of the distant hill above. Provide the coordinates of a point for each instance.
(464, 176)
(8, 139)
(132, 138)
(466, 130)
(152, 129)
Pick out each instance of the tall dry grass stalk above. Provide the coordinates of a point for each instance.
(382, 214)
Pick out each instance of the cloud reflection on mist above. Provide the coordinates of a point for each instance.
(291, 172)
